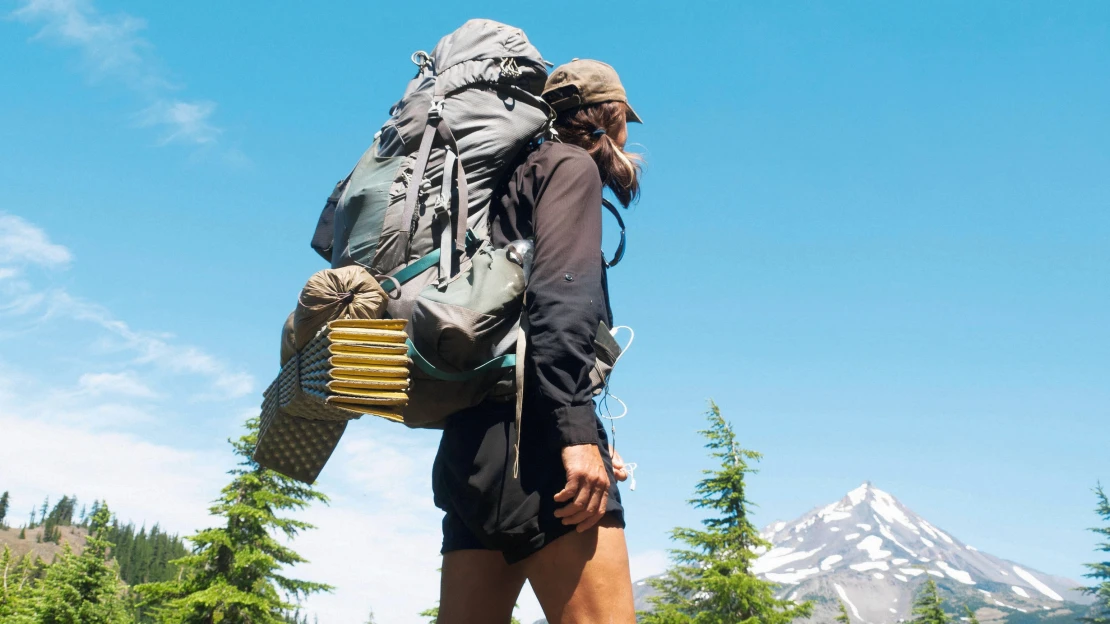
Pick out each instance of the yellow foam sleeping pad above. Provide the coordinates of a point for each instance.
(368, 366)
(360, 365)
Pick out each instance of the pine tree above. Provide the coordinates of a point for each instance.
(711, 581)
(971, 615)
(22, 532)
(928, 608)
(842, 616)
(17, 589)
(15, 584)
(233, 575)
(4, 502)
(1100, 572)
(85, 588)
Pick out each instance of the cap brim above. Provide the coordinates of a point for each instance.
(630, 114)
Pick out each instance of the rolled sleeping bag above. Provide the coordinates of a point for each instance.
(349, 292)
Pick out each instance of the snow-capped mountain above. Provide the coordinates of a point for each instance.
(872, 553)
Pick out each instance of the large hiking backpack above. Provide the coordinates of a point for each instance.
(415, 213)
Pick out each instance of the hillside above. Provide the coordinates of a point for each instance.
(73, 535)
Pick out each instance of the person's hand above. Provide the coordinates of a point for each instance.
(587, 489)
(618, 465)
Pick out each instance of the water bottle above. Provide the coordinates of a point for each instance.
(522, 252)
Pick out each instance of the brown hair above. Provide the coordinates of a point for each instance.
(601, 130)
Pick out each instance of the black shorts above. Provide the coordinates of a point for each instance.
(485, 507)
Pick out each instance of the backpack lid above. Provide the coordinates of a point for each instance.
(483, 39)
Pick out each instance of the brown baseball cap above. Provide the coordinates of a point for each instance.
(583, 81)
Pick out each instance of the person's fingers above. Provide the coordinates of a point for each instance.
(577, 518)
(586, 525)
(568, 492)
(585, 492)
(569, 509)
(592, 521)
(618, 462)
(620, 473)
(595, 500)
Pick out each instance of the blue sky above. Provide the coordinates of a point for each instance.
(875, 233)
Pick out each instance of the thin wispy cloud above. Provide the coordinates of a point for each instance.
(113, 49)
(185, 121)
(22, 245)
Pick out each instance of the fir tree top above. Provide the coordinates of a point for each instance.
(1100, 572)
(711, 580)
(928, 608)
(84, 588)
(234, 573)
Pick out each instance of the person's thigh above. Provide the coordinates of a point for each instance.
(583, 578)
(478, 587)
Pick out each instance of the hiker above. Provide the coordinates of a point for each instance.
(559, 522)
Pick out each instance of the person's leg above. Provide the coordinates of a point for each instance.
(478, 587)
(583, 578)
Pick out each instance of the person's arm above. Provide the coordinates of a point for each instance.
(566, 297)
(565, 294)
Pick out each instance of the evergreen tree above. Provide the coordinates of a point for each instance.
(4, 502)
(85, 588)
(971, 615)
(1100, 572)
(61, 515)
(233, 575)
(842, 616)
(15, 589)
(928, 608)
(22, 532)
(711, 581)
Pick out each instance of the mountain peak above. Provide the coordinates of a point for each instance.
(871, 551)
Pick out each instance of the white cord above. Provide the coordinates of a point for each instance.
(605, 405)
(631, 468)
(631, 337)
(607, 413)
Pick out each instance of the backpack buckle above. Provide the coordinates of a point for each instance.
(435, 109)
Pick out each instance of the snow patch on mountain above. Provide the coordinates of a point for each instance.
(1037, 585)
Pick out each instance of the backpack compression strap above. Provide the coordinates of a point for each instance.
(437, 127)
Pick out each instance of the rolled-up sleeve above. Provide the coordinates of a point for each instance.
(566, 294)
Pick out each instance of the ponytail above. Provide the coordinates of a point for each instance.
(601, 130)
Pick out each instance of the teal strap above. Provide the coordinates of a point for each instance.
(411, 271)
(504, 361)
